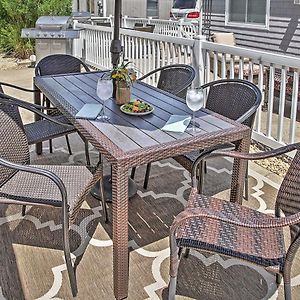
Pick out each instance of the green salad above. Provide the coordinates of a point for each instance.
(137, 106)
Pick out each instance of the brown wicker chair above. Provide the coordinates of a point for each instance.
(49, 127)
(64, 187)
(61, 64)
(262, 235)
(174, 79)
(233, 98)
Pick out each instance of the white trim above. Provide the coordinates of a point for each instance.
(248, 25)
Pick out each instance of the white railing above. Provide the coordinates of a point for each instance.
(277, 120)
(146, 51)
(277, 76)
(164, 27)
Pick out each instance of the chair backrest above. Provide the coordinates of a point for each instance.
(13, 140)
(174, 79)
(288, 197)
(59, 64)
(233, 98)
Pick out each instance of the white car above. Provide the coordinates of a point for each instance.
(188, 10)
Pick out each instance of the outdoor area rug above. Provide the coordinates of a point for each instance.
(31, 257)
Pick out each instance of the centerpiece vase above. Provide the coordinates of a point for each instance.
(123, 92)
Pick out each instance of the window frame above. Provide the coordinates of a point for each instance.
(247, 25)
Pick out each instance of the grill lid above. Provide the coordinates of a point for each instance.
(53, 22)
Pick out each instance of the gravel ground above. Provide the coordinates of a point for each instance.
(278, 165)
(12, 62)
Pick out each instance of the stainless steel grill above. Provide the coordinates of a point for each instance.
(53, 34)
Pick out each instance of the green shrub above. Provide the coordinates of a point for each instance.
(18, 14)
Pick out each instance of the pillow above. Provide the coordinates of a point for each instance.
(226, 38)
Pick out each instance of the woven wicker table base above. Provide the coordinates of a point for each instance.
(132, 189)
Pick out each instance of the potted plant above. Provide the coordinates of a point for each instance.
(123, 78)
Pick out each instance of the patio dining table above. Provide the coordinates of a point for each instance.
(128, 141)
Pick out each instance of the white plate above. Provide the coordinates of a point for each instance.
(137, 114)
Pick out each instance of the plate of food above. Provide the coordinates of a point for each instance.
(137, 108)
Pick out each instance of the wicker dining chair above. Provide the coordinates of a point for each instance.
(174, 79)
(227, 228)
(233, 98)
(52, 125)
(61, 64)
(64, 187)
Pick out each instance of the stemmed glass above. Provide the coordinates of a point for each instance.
(104, 92)
(194, 101)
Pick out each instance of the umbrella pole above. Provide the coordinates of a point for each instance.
(116, 47)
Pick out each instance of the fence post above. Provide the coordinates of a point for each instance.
(111, 20)
(149, 20)
(125, 21)
(198, 60)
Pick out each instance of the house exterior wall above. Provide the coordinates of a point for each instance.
(138, 8)
(282, 36)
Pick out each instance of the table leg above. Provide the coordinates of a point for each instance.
(239, 171)
(37, 100)
(120, 230)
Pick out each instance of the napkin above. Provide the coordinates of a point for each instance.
(177, 123)
(89, 111)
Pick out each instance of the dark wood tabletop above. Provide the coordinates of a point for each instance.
(128, 141)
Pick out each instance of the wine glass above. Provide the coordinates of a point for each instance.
(194, 101)
(104, 92)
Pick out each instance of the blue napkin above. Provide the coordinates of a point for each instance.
(177, 123)
(89, 111)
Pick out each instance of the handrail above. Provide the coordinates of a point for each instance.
(255, 55)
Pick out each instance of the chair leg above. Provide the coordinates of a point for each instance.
(174, 264)
(187, 252)
(67, 253)
(200, 177)
(50, 146)
(87, 154)
(246, 185)
(278, 279)
(205, 167)
(133, 172)
(147, 175)
(23, 210)
(68, 144)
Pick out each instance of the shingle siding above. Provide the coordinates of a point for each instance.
(283, 35)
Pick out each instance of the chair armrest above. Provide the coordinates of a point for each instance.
(34, 170)
(16, 87)
(236, 154)
(28, 106)
(274, 222)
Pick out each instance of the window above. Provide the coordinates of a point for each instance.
(184, 4)
(248, 12)
(152, 8)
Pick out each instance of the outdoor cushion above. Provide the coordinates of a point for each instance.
(226, 38)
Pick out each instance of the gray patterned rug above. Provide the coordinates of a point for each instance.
(31, 259)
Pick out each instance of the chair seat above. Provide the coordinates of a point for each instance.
(261, 246)
(39, 190)
(43, 130)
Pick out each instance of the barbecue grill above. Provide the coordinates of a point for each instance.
(53, 34)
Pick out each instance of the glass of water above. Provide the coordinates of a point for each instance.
(194, 101)
(104, 92)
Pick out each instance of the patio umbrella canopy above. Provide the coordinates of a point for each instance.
(116, 47)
